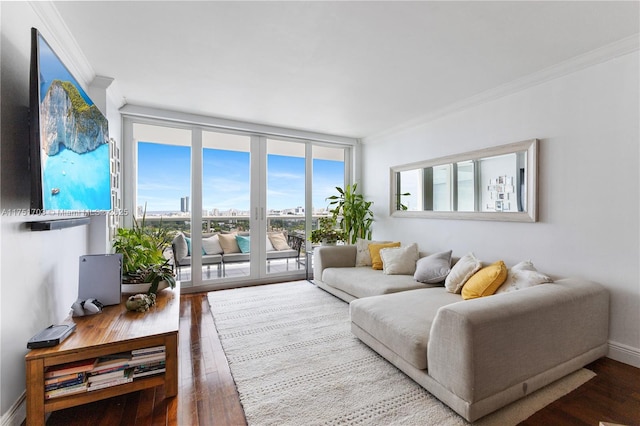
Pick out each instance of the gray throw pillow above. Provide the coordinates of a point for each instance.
(434, 268)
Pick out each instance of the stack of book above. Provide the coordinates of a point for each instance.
(110, 371)
(148, 361)
(67, 379)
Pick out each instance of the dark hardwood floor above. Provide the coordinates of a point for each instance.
(207, 394)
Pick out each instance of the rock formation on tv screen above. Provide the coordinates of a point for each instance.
(67, 119)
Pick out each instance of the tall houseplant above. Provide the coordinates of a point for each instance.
(142, 255)
(353, 212)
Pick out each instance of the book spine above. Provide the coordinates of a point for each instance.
(65, 384)
(109, 369)
(71, 368)
(102, 385)
(107, 376)
(148, 373)
(65, 391)
(64, 378)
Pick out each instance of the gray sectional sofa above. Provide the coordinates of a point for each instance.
(474, 355)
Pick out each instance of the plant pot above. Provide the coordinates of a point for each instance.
(142, 287)
(327, 243)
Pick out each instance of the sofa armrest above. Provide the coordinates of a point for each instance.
(482, 346)
(332, 257)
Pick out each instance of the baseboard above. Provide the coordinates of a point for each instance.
(17, 413)
(624, 353)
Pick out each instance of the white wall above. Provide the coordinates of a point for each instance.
(588, 184)
(38, 270)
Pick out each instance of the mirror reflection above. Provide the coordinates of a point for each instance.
(492, 184)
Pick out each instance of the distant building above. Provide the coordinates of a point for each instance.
(184, 204)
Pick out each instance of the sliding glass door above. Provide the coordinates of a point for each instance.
(243, 203)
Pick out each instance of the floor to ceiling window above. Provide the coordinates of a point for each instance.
(254, 197)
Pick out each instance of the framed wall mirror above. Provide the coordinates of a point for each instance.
(498, 183)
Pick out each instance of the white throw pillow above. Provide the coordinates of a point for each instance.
(461, 272)
(363, 257)
(523, 275)
(212, 245)
(433, 269)
(399, 260)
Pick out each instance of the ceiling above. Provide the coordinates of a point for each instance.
(346, 68)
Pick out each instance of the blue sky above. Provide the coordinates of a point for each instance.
(164, 177)
(51, 68)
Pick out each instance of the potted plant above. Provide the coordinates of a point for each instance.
(354, 212)
(143, 262)
(327, 232)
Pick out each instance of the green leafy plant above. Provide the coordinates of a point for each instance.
(142, 251)
(327, 231)
(353, 211)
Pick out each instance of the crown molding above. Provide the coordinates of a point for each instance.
(57, 33)
(577, 63)
(145, 112)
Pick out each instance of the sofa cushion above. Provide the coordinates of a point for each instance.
(522, 275)
(363, 257)
(269, 246)
(211, 245)
(374, 251)
(364, 282)
(402, 321)
(228, 243)
(180, 245)
(434, 268)
(279, 241)
(486, 281)
(461, 272)
(400, 260)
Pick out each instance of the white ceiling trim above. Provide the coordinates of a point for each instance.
(233, 125)
(580, 62)
(65, 44)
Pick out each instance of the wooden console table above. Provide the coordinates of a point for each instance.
(114, 330)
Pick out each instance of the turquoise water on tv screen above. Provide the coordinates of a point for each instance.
(72, 181)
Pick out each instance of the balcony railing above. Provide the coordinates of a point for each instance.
(293, 224)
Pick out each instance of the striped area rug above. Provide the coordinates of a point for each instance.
(295, 362)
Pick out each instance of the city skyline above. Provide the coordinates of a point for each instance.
(164, 175)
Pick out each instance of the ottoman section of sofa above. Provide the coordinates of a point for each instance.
(402, 321)
(363, 281)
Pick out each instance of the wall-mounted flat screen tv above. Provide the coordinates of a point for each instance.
(69, 152)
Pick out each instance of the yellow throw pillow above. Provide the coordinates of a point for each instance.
(374, 251)
(486, 281)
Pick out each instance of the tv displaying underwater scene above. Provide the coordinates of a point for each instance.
(69, 139)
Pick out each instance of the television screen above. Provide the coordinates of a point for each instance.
(69, 139)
